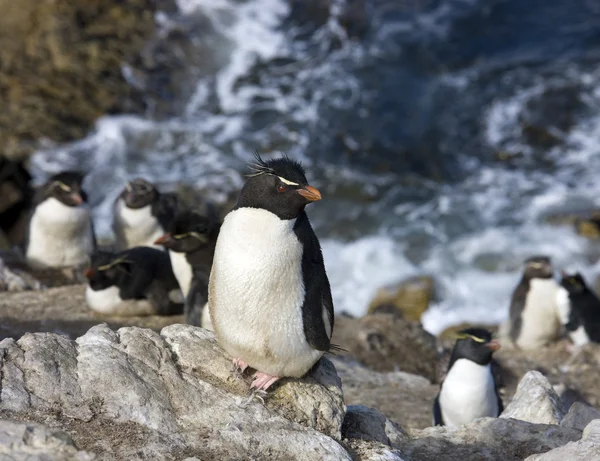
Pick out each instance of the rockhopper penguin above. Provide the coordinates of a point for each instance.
(468, 390)
(138, 281)
(142, 214)
(60, 230)
(191, 243)
(536, 305)
(582, 320)
(269, 296)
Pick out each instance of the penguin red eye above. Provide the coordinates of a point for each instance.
(281, 188)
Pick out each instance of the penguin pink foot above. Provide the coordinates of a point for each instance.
(240, 365)
(263, 381)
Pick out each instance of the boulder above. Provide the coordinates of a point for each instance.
(366, 423)
(411, 297)
(579, 416)
(404, 398)
(535, 401)
(175, 390)
(586, 449)
(363, 450)
(62, 67)
(385, 342)
(35, 442)
(485, 439)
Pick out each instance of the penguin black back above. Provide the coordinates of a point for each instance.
(585, 306)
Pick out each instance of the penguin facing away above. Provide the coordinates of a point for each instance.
(536, 305)
(269, 297)
(60, 231)
(191, 243)
(468, 391)
(142, 214)
(138, 281)
(583, 320)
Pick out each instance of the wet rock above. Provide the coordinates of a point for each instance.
(411, 297)
(535, 401)
(34, 442)
(404, 398)
(385, 342)
(65, 72)
(579, 416)
(586, 449)
(178, 386)
(486, 439)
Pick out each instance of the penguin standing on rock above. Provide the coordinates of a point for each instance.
(582, 321)
(468, 391)
(60, 231)
(536, 306)
(269, 296)
(138, 281)
(191, 243)
(142, 214)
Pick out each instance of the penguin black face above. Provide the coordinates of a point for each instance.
(539, 267)
(189, 232)
(475, 344)
(64, 187)
(139, 193)
(574, 283)
(106, 269)
(278, 186)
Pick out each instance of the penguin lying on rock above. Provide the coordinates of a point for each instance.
(269, 296)
(60, 231)
(536, 306)
(191, 243)
(582, 321)
(469, 390)
(142, 214)
(138, 281)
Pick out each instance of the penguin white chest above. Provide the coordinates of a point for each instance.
(540, 319)
(468, 393)
(182, 271)
(59, 235)
(256, 293)
(136, 227)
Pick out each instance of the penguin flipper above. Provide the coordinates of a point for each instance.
(317, 310)
(165, 209)
(500, 404)
(437, 412)
(517, 304)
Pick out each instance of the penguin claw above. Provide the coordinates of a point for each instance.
(263, 381)
(239, 367)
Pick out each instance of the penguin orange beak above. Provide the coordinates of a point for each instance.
(493, 345)
(163, 239)
(89, 273)
(76, 198)
(310, 193)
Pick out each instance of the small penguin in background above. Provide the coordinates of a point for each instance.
(138, 281)
(536, 306)
(269, 297)
(469, 390)
(60, 231)
(142, 214)
(582, 322)
(191, 243)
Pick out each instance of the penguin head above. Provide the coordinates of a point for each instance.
(64, 187)
(573, 283)
(475, 344)
(189, 232)
(106, 269)
(538, 267)
(139, 193)
(279, 186)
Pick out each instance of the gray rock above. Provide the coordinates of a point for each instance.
(579, 416)
(363, 450)
(586, 449)
(174, 391)
(535, 401)
(485, 439)
(34, 442)
(365, 423)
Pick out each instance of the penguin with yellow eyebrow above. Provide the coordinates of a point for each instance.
(469, 390)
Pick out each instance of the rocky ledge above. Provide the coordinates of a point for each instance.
(138, 394)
